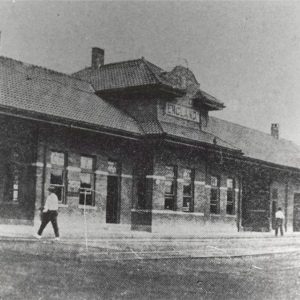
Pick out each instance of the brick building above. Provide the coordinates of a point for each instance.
(131, 144)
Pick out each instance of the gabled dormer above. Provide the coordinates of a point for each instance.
(127, 78)
(192, 108)
(167, 105)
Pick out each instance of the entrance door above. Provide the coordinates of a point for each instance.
(296, 223)
(255, 204)
(112, 204)
(274, 209)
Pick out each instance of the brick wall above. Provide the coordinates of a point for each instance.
(17, 172)
(76, 143)
(201, 217)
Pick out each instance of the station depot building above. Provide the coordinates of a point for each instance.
(129, 145)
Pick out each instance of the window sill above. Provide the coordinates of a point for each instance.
(87, 207)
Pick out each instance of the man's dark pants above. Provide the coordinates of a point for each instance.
(279, 223)
(49, 216)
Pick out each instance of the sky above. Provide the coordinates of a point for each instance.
(245, 53)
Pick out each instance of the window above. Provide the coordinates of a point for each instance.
(170, 187)
(274, 194)
(11, 190)
(203, 118)
(15, 197)
(112, 167)
(141, 192)
(215, 195)
(58, 174)
(87, 181)
(230, 207)
(188, 190)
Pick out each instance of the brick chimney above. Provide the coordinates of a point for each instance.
(97, 57)
(275, 130)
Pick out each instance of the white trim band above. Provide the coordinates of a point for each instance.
(73, 169)
(156, 177)
(38, 164)
(199, 182)
(99, 172)
(126, 176)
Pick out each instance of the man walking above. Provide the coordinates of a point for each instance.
(279, 221)
(49, 214)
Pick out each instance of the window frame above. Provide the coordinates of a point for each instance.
(232, 202)
(62, 168)
(171, 197)
(91, 172)
(190, 207)
(12, 172)
(216, 189)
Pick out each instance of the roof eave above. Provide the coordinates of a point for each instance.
(270, 165)
(195, 143)
(62, 121)
(139, 88)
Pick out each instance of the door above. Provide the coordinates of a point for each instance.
(255, 204)
(112, 204)
(296, 222)
(274, 209)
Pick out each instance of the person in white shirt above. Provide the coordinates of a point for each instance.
(279, 221)
(50, 214)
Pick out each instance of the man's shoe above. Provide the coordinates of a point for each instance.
(57, 239)
(37, 236)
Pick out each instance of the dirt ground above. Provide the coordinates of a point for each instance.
(55, 272)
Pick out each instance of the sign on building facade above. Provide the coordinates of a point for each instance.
(182, 112)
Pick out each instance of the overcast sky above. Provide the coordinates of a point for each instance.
(245, 53)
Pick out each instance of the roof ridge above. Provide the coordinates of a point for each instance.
(49, 72)
(120, 62)
(39, 67)
(153, 73)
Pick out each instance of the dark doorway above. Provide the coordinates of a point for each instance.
(255, 203)
(112, 204)
(274, 209)
(296, 223)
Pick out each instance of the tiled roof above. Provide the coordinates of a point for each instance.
(132, 73)
(256, 144)
(42, 91)
(208, 100)
(194, 134)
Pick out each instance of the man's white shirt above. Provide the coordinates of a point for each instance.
(279, 215)
(51, 203)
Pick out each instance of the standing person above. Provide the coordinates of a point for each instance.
(49, 214)
(279, 221)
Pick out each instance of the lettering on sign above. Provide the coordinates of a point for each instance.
(182, 112)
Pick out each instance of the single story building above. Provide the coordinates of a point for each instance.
(128, 143)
